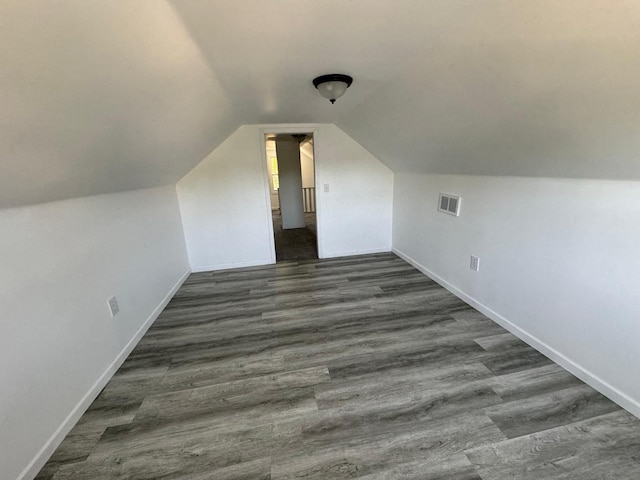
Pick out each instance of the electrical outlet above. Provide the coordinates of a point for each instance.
(326, 188)
(113, 306)
(475, 263)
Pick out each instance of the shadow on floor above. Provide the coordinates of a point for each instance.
(295, 243)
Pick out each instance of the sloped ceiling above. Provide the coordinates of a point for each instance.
(99, 96)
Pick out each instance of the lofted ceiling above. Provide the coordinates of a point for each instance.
(99, 96)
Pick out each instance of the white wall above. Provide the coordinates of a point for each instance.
(291, 207)
(271, 152)
(225, 204)
(559, 264)
(355, 215)
(59, 264)
(307, 167)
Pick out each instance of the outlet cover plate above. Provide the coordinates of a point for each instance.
(475, 263)
(113, 306)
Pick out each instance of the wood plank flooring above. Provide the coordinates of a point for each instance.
(357, 367)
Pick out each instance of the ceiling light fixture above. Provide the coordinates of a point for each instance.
(332, 86)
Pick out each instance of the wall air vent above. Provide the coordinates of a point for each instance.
(449, 204)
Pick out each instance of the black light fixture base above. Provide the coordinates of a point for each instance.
(333, 77)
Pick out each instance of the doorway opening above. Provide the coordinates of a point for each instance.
(291, 172)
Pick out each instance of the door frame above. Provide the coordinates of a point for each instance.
(283, 129)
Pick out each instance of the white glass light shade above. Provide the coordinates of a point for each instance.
(332, 90)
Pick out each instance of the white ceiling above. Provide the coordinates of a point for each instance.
(99, 96)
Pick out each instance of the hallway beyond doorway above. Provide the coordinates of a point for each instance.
(295, 243)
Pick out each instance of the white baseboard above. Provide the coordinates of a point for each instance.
(226, 266)
(582, 373)
(355, 252)
(56, 439)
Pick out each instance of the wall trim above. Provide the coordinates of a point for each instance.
(226, 266)
(357, 252)
(61, 432)
(622, 399)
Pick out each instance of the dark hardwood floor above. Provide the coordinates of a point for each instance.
(356, 367)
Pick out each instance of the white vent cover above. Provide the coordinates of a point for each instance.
(449, 204)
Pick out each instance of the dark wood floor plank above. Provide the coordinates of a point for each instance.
(359, 456)
(533, 381)
(604, 447)
(549, 410)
